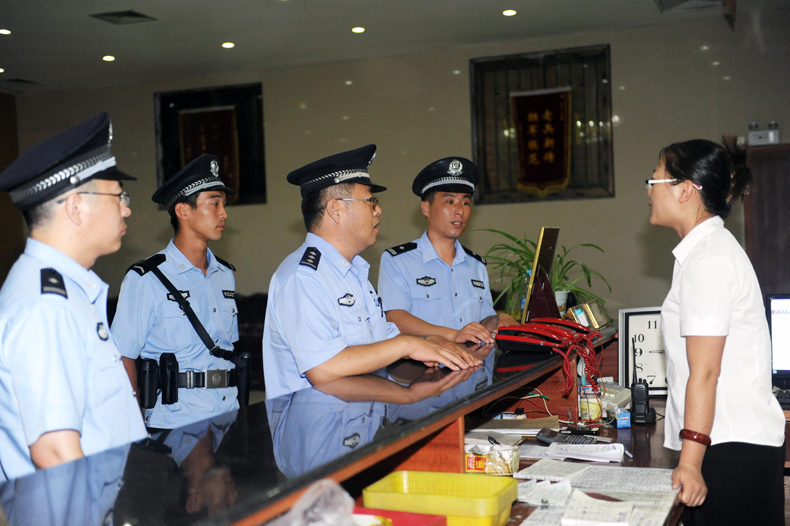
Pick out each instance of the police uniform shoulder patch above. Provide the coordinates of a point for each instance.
(226, 263)
(478, 257)
(144, 265)
(52, 282)
(402, 249)
(311, 257)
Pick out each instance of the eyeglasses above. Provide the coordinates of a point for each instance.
(374, 201)
(125, 197)
(650, 182)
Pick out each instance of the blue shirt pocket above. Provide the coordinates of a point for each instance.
(179, 330)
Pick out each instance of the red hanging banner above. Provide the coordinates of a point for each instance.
(542, 121)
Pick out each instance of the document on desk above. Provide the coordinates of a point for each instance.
(592, 452)
(544, 492)
(587, 511)
(555, 470)
(651, 480)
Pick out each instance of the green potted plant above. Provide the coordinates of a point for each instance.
(513, 261)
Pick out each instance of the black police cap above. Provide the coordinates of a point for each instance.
(346, 167)
(200, 175)
(60, 163)
(451, 174)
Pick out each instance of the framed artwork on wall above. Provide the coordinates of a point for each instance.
(226, 121)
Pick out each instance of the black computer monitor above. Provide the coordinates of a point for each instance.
(777, 309)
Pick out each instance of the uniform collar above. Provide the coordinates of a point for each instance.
(334, 256)
(429, 253)
(87, 280)
(687, 244)
(182, 264)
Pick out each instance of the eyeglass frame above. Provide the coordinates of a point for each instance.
(123, 196)
(650, 182)
(374, 201)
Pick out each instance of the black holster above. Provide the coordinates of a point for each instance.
(148, 382)
(168, 378)
(243, 371)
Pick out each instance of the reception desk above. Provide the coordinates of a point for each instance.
(247, 467)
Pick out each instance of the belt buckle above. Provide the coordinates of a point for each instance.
(215, 378)
(190, 379)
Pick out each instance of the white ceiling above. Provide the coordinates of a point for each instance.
(57, 45)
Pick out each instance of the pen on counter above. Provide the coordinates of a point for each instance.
(628, 453)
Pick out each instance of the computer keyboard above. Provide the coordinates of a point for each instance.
(783, 395)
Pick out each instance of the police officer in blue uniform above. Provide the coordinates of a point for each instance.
(434, 285)
(63, 390)
(324, 319)
(149, 320)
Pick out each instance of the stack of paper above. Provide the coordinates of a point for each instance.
(592, 452)
(544, 493)
(546, 469)
(518, 426)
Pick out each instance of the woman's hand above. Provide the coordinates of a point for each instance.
(692, 486)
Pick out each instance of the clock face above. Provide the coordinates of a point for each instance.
(642, 348)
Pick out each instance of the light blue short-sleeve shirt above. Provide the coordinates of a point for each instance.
(148, 323)
(60, 368)
(319, 304)
(412, 277)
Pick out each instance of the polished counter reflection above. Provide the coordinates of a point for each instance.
(218, 470)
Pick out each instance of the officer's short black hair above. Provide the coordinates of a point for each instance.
(314, 203)
(42, 213)
(190, 200)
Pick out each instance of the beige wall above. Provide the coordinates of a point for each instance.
(416, 110)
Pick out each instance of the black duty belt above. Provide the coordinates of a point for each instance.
(209, 379)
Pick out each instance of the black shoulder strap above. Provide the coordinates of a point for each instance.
(52, 282)
(184, 304)
(311, 258)
(144, 265)
(478, 257)
(402, 249)
(225, 263)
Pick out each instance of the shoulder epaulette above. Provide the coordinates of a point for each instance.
(145, 265)
(225, 263)
(311, 258)
(478, 257)
(52, 282)
(402, 249)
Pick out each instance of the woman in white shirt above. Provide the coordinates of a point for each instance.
(721, 413)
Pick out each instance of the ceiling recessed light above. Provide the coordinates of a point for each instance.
(2, 70)
(509, 12)
(727, 77)
(715, 63)
(228, 45)
(349, 82)
(357, 29)
(704, 48)
(621, 88)
(108, 58)
(345, 117)
(5, 32)
(457, 72)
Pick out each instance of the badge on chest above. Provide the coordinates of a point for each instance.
(426, 281)
(347, 300)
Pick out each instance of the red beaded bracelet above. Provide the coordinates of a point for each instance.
(687, 434)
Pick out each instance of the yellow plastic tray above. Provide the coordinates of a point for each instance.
(466, 500)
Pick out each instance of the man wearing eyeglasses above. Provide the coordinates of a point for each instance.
(434, 285)
(149, 321)
(63, 390)
(324, 320)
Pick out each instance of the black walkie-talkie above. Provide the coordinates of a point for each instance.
(641, 412)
